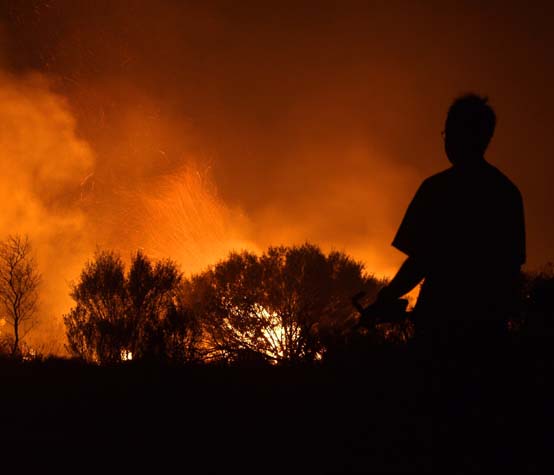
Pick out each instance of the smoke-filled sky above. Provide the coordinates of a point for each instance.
(192, 128)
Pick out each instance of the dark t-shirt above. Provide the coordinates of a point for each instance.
(465, 226)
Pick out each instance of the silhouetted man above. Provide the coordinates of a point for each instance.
(464, 236)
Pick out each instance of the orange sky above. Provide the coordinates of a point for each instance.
(187, 128)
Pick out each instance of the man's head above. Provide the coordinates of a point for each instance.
(469, 128)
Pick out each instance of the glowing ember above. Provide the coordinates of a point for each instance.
(181, 217)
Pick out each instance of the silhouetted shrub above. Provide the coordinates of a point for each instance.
(120, 316)
(281, 305)
(538, 303)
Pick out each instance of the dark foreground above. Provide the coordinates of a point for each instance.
(392, 411)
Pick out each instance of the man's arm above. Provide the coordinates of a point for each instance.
(408, 276)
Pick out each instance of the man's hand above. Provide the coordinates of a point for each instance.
(408, 276)
(384, 310)
(386, 295)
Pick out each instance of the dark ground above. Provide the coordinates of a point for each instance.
(393, 411)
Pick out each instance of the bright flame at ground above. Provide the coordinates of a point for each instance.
(126, 355)
(274, 333)
(279, 341)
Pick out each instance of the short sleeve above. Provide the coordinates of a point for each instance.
(413, 233)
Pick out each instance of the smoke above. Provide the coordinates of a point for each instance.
(340, 206)
(43, 162)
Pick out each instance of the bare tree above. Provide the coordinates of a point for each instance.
(19, 281)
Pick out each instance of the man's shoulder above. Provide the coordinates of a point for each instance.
(438, 179)
(503, 179)
(493, 176)
(445, 174)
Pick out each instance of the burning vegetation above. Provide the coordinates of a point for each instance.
(280, 307)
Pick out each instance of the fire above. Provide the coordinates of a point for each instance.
(274, 334)
(278, 343)
(181, 217)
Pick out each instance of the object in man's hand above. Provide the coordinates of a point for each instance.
(380, 312)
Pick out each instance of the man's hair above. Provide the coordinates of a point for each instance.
(471, 117)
